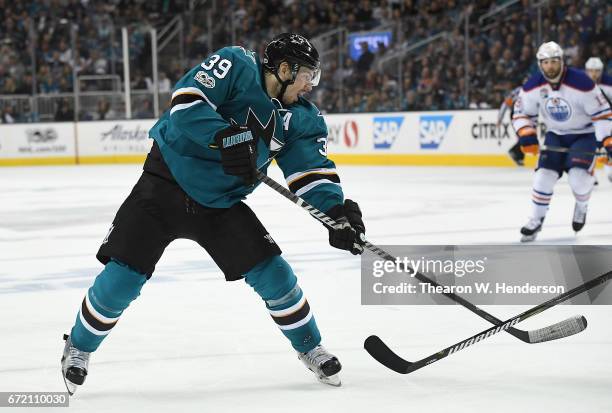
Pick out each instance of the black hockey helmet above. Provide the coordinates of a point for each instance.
(297, 51)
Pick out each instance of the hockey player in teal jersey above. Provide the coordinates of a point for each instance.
(228, 116)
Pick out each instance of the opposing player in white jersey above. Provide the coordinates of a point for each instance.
(577, 118)
(594, 68)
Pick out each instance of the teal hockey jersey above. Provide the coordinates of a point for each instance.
(226, 87)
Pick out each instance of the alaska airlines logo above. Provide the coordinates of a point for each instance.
(558, 109)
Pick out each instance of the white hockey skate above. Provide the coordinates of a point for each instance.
(74, 366)
(579, 218)
(323, 364)
(531, 229)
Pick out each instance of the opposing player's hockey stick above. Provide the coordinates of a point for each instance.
(388, 358)
(561, 149)
(561, 329)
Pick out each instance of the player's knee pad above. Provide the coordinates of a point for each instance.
(581, 181)
(116, 287)
(545, 180)
(274, 281)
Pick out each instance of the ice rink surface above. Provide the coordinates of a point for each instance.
(194, 343)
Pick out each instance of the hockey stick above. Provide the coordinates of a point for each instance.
(383, 354)
(561, 149)
(561, 329)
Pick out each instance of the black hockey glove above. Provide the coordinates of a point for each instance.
(238, 152)
(349, 231)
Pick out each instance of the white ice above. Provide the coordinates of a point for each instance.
(192, 342)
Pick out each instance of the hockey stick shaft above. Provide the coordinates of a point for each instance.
(322, 217)
(561, 149)
(383, 354)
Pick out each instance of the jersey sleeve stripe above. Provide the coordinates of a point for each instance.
(311, 185)
(299, 175)
(192, 91)
(182, 106)
(601, 111)
(185, 98)
(606, 116)
(307, 179)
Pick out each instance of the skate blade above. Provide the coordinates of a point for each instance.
(528, 238)
(71, 387)
(333, 380)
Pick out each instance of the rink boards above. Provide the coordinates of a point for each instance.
(453, 138)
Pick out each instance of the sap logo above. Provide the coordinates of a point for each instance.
(386, 130)
(432, 130)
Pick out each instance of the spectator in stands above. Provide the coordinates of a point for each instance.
(104, 111)
(9, 87)
(64, 111)
(144, 110)
(165, 86)
(138, 81)
(8, 114)
(99, 64)
(364, 62)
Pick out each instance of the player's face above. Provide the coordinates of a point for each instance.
(551, 67)
(594, 74)
(304, 82)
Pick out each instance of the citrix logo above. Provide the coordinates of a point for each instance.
(386, 130)
(432, 130)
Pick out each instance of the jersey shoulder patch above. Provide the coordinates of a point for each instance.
(577, 79)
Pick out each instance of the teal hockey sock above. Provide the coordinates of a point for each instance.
(275, 282)
(112, 292)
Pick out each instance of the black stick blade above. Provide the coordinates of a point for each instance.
(385, 356)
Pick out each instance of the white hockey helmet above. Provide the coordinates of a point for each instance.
(550, 50)
(594, 63)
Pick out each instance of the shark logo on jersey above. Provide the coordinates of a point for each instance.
(558, 109)
(432, 129)
(386, 130)
(205, 79)
(265, 132)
